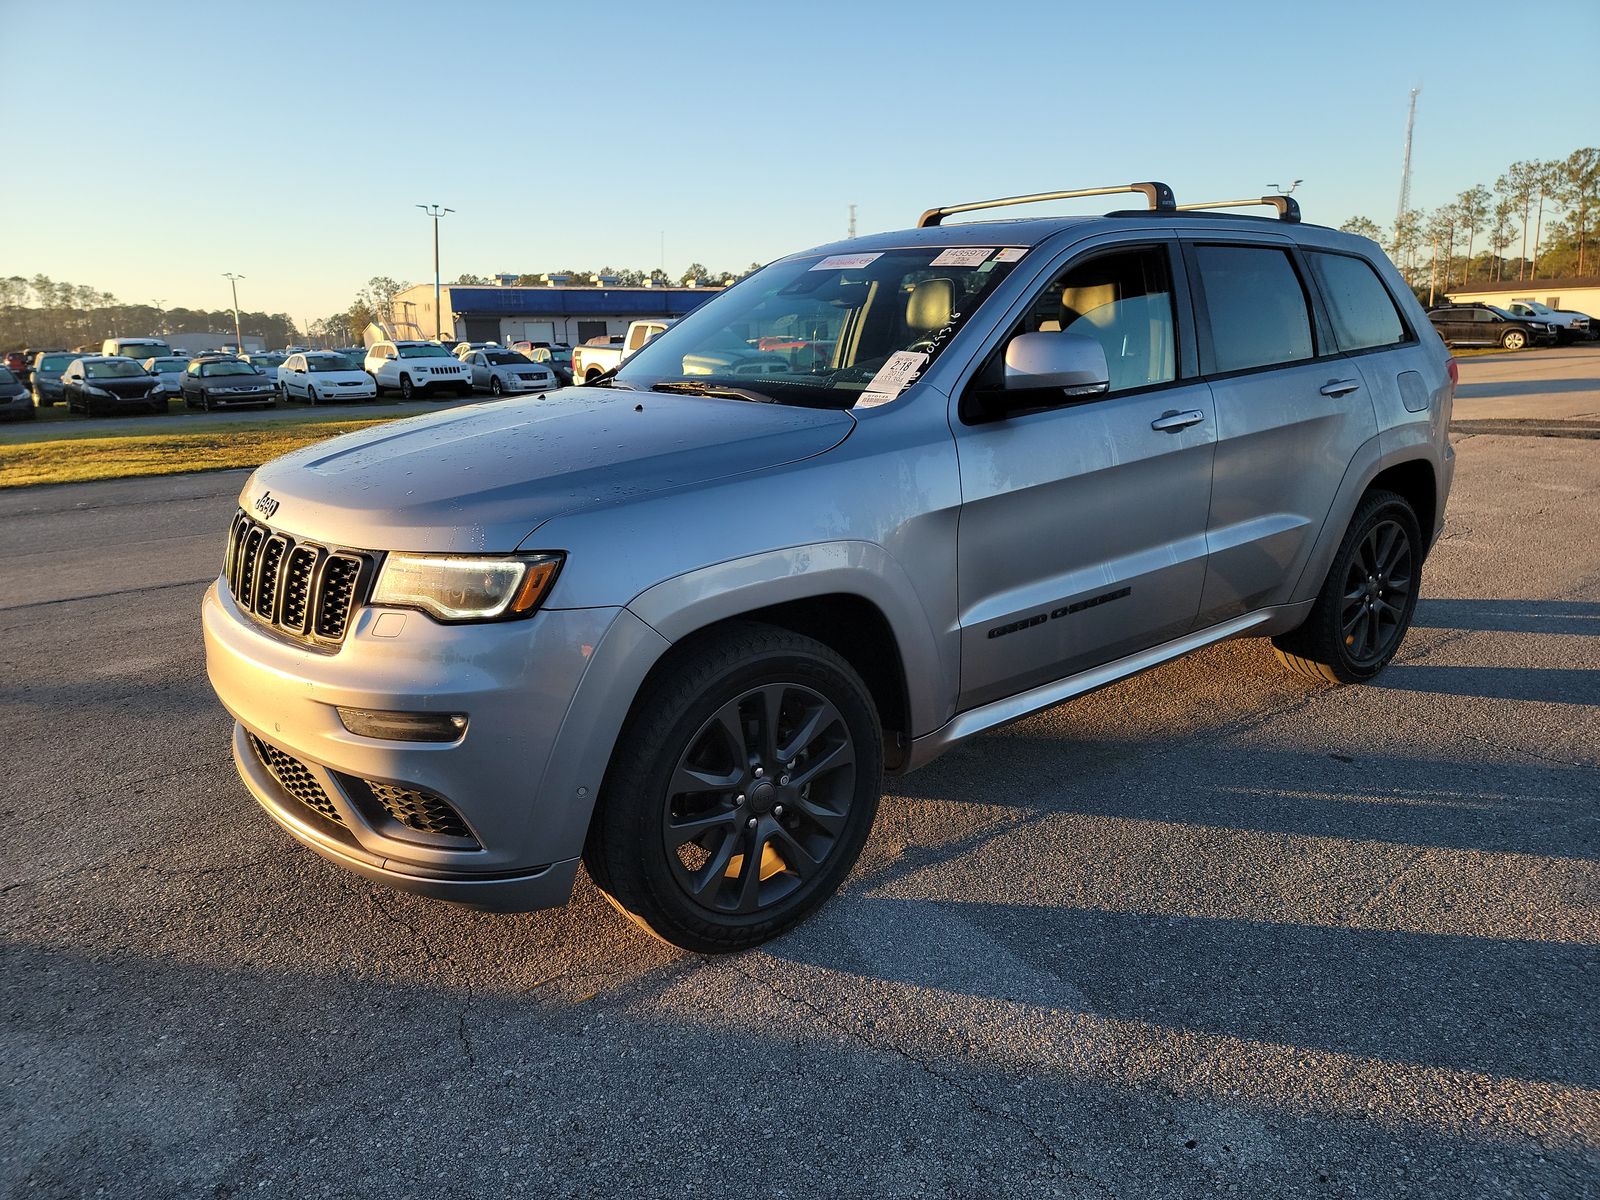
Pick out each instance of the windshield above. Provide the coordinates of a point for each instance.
(115, 368)
(165, 366)
(329, 362)
(6, 376)
(504, 358)
(267, 360)
(818, 331)
(211, 370)
(143, 349)
(424, 352)
(55, 362)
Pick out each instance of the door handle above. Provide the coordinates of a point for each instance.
(1173, 421)
(1339, 387)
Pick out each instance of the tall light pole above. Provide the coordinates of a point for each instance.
(238, 331)
(434, 211)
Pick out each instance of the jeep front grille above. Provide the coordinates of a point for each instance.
(299, 588)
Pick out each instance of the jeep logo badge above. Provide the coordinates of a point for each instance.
(266, 506)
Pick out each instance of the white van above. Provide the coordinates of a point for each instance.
(137, 348)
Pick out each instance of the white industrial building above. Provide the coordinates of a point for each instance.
(1575, 293)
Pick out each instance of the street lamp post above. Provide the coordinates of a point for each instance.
(434, 211)
(238, 331)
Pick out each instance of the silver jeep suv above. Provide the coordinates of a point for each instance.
(871, 500)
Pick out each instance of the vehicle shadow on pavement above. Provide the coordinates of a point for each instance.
(1411, 802)
(1510, 616)
(1538, 685)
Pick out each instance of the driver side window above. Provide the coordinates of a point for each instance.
(1123, 300)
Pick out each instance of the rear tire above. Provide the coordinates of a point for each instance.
(1356, 626)
(765, 746)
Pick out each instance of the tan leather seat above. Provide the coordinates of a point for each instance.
(929, 306)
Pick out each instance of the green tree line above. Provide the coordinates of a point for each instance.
(1537, 221)
(43, 313)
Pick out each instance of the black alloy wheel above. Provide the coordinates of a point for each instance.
(759, 798)
(1364, 609)
(741, 791)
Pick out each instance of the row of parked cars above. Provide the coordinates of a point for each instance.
(1522, 324)
(124, 378)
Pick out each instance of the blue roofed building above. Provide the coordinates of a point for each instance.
(506, 314)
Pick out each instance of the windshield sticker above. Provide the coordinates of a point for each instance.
(893, 377)
(843, 262)
(962, 256)
(1011, 254)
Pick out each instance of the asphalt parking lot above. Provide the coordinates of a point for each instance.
(1211, 931)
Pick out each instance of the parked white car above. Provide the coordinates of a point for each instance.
(505, 372)
(170, 371)
(1567, 323)
(321, 377)
(417, 369)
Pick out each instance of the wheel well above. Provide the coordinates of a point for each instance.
(855, 629)
(1414, 482)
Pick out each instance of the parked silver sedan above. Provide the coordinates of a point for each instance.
(506, 373)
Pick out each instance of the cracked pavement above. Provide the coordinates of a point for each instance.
(1210, 931)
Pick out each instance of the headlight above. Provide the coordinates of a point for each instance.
(459, 588)
(94, 391)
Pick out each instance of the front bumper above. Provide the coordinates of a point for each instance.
(19, 405)
(523, 776)
(225, 399)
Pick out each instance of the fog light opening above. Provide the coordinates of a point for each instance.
(403, 726)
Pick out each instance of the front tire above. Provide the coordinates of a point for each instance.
(743, 787)
(407, 391)
(1364, 609)
(1514, 339)
(311, 395)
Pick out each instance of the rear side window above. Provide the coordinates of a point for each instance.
(1360, 307)
(1257, 308)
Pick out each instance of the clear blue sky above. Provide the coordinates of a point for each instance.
(155, 145)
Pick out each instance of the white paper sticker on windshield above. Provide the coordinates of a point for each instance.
(842, 262)
(893, 377)
(962, 256)
(1011, 254)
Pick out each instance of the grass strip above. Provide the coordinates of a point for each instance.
(80, 459)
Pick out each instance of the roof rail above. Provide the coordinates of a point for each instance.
(1158, 194)
(1288, 210)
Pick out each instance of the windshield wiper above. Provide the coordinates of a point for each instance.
(690, 387)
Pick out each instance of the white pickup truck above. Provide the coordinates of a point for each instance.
(1568, 325)
(597, 356)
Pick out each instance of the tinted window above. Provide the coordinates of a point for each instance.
(1256, 306)
(1360, 307)
(1124, 302)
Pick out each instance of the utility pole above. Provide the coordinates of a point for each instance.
(238, 331)
(852, 232)
(1405, 167)
(434, 211)
(161, 317)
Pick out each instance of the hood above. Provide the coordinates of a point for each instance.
(485, 477)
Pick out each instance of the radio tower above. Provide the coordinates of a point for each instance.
(1405, 170)
(852, 232)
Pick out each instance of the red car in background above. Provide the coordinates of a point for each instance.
(17, 363)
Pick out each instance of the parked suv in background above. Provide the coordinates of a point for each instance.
(1486, 325)
(871, 500)
(47, 368)
(417, 369)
